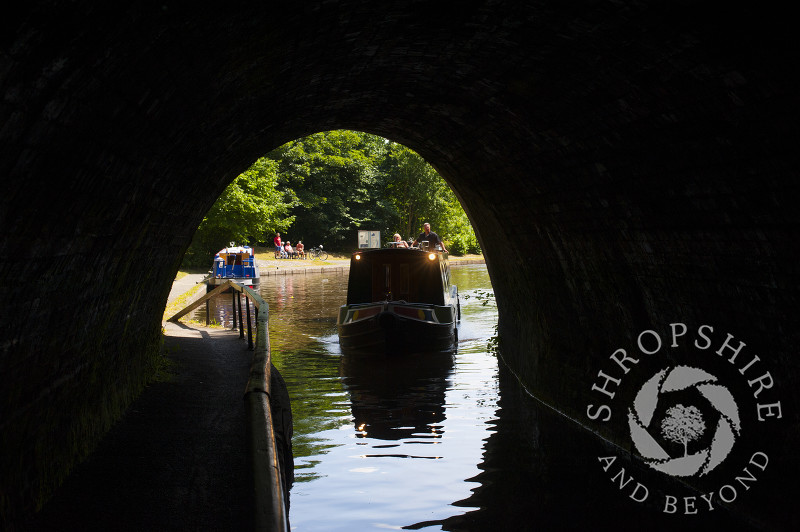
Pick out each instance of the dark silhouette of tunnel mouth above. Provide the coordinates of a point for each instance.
(623, 168)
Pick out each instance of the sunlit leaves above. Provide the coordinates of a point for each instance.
(247, 212)
(324, 187)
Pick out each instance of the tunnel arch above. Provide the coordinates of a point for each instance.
(641, 161)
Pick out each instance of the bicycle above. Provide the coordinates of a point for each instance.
(318, 253)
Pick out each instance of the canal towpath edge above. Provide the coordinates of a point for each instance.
(177, 458)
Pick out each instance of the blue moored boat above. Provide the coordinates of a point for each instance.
(234, 263)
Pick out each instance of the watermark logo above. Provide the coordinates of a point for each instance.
(697, 421)
(681, 423)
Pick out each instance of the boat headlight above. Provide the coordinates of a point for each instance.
(431, 256)
(358, 257)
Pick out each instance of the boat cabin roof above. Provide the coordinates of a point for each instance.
(398, 274)
(235, 256)
(235, 249)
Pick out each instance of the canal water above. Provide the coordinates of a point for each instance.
(438, 441)
(379, 442)
(383, 442)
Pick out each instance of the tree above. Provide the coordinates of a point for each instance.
(683, 424)
(454, 226)
(324, 187)
(412, 187)
(335, 176)
(419, 194)
(247, 212)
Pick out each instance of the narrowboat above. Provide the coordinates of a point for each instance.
(399, 300)
(234, 263)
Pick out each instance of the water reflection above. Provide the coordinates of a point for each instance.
(378, 442)
(398, 397)
(444, 441)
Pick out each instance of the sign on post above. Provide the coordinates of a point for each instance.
(369, 239)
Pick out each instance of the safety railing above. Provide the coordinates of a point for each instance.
(269, 501)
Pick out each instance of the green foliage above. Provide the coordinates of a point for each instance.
(419, 194)
(324, 187)
(414, 189)
(454, 226)
(336, 179)
(493, 344)
(247, 212)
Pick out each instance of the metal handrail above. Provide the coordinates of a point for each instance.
(270, 507)
(269, 504)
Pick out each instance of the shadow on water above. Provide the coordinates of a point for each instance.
(541, 471)
(399, 396)
(445, 441)
(377, 439)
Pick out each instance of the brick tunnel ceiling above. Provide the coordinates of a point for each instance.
(624, 166)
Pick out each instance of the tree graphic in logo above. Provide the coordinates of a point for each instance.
(683, 424)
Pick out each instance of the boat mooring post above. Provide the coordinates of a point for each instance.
(207, 312)
(241, 321)
(249, 333)
(233, 303)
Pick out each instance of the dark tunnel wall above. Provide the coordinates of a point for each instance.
(626, 166)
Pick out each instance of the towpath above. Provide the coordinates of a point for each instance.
(177, 458)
